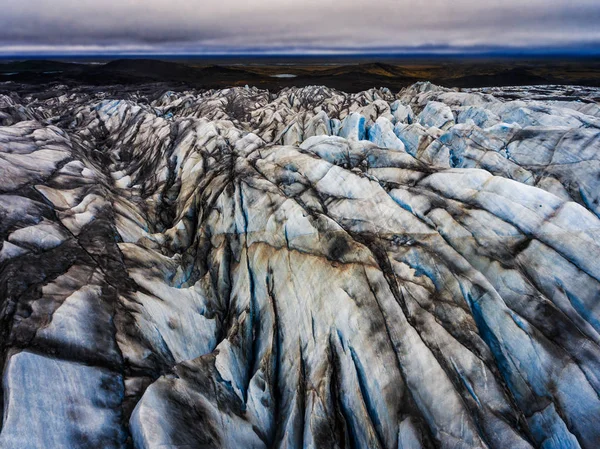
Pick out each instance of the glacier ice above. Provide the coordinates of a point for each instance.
(245, 269)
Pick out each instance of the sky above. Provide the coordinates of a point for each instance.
(295, 26)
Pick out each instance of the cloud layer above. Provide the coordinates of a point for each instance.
(180, 26)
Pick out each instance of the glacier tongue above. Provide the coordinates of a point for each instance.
(306, 269)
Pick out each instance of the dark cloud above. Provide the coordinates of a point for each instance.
(305, 25)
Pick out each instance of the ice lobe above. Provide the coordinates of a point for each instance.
(307, 269)
(353, 127)
(76, 409)
(436, 114)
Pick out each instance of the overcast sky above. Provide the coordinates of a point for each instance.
(201, 26)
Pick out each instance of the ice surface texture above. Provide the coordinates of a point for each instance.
(307, 269)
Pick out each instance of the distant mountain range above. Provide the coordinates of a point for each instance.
(347, 77)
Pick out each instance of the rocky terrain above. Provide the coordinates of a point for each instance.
(350, 74)
(304, 269)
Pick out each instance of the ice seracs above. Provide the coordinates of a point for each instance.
(301, 269)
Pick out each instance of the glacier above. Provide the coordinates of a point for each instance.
(306, 268)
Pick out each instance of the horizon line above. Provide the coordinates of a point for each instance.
(291, 52)
(113, 56)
